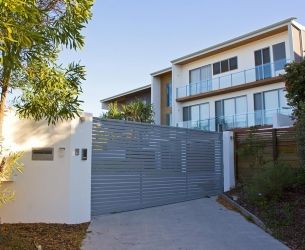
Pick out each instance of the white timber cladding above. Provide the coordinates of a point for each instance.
(55, 190)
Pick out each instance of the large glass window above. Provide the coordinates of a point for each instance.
(231, 113)
(186, 114)
(197, 116)
(200, 79)
(241, 110)
(195, 113)
(268, 103)
(279, 56)
(262, 63)
(169, 119)
(195, 76)
(169, 95)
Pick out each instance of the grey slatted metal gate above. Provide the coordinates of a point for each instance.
(138, 165)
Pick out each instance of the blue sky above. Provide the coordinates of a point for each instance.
(126, 40)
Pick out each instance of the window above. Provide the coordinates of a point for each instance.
(196, 112)
(279, 56)
(279, 51)
(231, 113)
(197, 116)
(225, 65)
(233, 63)
(186, 114)
(262, 63)
(169, 95)
(42, 154)
(169, 119)
(267, 103)
(84, 154)
(216, 68)
(200, 79)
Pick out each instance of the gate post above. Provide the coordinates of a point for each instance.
(228, 161)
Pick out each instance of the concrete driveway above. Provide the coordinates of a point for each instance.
(198, 224)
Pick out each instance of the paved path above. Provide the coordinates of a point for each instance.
(194, 225)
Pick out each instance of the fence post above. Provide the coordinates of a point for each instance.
(228, 161)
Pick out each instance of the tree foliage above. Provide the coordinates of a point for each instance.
(136, 111)
(295, 86)
(32, 32)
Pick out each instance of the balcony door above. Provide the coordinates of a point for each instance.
(205, 116)
(267, 104)
(262, 63)
(200, 79)
(197, 116)
(279, 58)
(231, 113)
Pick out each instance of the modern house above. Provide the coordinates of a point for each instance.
(143, 94)
(233, 84)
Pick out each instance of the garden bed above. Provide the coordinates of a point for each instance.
(48, 236)
(285, 217)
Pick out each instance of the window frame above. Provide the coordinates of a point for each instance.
(228, 62)
(169, 93)
(190, 113)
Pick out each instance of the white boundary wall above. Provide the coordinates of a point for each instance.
(57, 191)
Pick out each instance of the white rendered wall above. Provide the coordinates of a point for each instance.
(177, 110)
(228, 161)
(80, 170)
(55, 191)
(156, 99)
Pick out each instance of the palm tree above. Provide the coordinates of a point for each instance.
(136, 111)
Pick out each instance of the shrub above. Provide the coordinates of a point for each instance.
(300, 132)
(9, 162)
(269, 183)
(300, 177)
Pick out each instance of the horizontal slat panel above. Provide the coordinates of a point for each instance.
(138, 165)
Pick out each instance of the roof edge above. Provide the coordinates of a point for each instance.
(162, 71)
(126, 93)
(230, 41)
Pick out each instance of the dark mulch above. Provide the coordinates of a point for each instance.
(285, 218)
(48, 236)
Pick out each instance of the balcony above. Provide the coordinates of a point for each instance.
(259, 73)
(258, 118)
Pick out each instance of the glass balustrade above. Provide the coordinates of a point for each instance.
(258, 118)
(238, 78)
